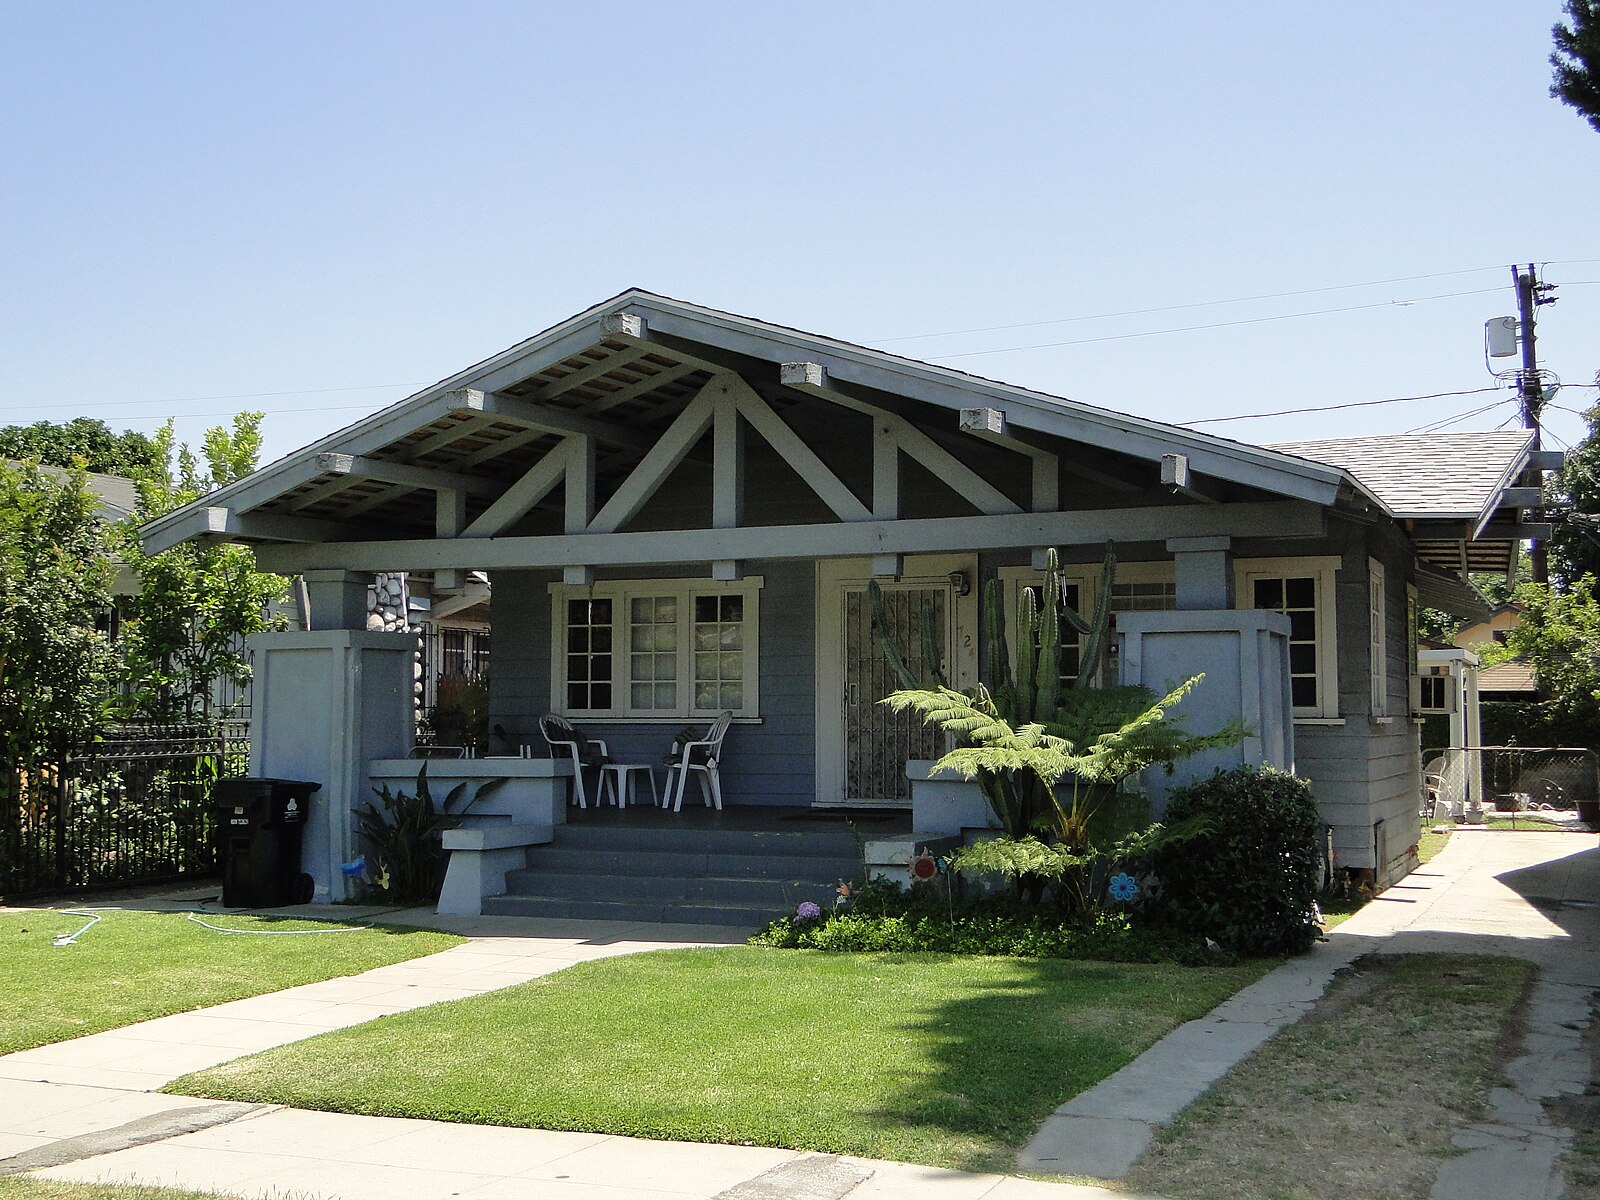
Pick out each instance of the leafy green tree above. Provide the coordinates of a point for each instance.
(55, 584)
(82, 442)
(1576, 60)
(185, 629)
(1560, 638)
(1575, 547)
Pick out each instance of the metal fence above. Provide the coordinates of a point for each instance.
(132, 808)
(1510, 779)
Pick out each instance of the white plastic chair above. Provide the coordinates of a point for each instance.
(566, 740)
(700, 756)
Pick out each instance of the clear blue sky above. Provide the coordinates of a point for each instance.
(342, 203)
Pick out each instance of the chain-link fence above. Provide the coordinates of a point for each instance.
(1461, 781)
(132, 808)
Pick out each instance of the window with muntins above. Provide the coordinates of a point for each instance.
(1295, 596)
(683, 648)
(1302, 589)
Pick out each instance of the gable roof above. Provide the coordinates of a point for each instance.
(622, 369)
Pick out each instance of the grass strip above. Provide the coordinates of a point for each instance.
(945, 1060)
(23, 1187)
(1358, 1101)
(132, 966)
(1433, 840)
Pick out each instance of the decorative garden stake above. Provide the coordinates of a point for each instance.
(1122, 887)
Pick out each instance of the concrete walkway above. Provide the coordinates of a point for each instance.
(1532, 895)
(86, 1109)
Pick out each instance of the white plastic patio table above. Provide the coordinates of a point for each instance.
(623, 787)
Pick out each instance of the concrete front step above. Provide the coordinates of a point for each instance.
(694, 875)
(774, 895)
(825, 843)
(672, 912)
(564, 858)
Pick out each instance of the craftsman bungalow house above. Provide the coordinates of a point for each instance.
(680, 509)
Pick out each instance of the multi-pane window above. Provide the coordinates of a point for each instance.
(1295, 596)
(719, 652)
(1147, 592)
(653, 653)
(589, 657)
(682, 648)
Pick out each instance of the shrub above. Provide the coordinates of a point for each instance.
(907, 923)
(1249, 881)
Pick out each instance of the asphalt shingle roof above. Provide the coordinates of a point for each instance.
(1424, 476)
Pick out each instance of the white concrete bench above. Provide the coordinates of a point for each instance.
(480, 856)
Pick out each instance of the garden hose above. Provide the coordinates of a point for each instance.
(71, 939)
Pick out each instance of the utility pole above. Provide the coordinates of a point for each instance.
(1529, 297)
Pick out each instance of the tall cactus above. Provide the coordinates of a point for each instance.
(1030, 689)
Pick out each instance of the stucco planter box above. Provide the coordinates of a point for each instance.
(944, 804)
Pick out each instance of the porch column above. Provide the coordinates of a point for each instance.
(328, 701)
(337, 599)
(1203, 571)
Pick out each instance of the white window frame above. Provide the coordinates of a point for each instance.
(1378, 637)
(621, 592)
(1323, 569)
(1087, 578)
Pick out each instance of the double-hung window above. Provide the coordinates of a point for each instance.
(655, 649)
(1302, 589)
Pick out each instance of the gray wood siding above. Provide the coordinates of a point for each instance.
(773, 762)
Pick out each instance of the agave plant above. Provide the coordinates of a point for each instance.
(405, 837)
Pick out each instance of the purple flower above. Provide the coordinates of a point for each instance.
(807, 911)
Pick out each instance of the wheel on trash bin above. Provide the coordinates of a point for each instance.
(302, 889)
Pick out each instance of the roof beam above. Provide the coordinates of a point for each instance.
(536, 483)
(812, 378)
(660, 461)
(593, 371)
(662, 377)
(1286, 519)
(226, 524)
(359, 466)
(775, 431)
(553, 420)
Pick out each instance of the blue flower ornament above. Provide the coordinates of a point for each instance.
(1122, 887)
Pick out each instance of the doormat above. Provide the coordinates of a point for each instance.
(859, 816)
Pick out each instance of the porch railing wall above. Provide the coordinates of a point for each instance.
(133, 808)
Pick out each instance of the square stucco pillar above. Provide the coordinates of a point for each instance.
(337, 599)
(1202, 569)
(1245, 657)
(327, 702)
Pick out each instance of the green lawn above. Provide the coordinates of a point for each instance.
(135, 965)
(950, 1061)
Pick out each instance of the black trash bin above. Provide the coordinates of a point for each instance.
(258, 831)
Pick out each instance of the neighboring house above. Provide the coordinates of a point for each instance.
(1511, 680)
(680, 511)
(1494, 628)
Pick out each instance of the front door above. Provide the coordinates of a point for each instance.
(863, 747)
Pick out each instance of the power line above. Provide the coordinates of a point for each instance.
(366, 387)
(1140, 312)
(1433, 426)
(1118, 337)
(1291, 412)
